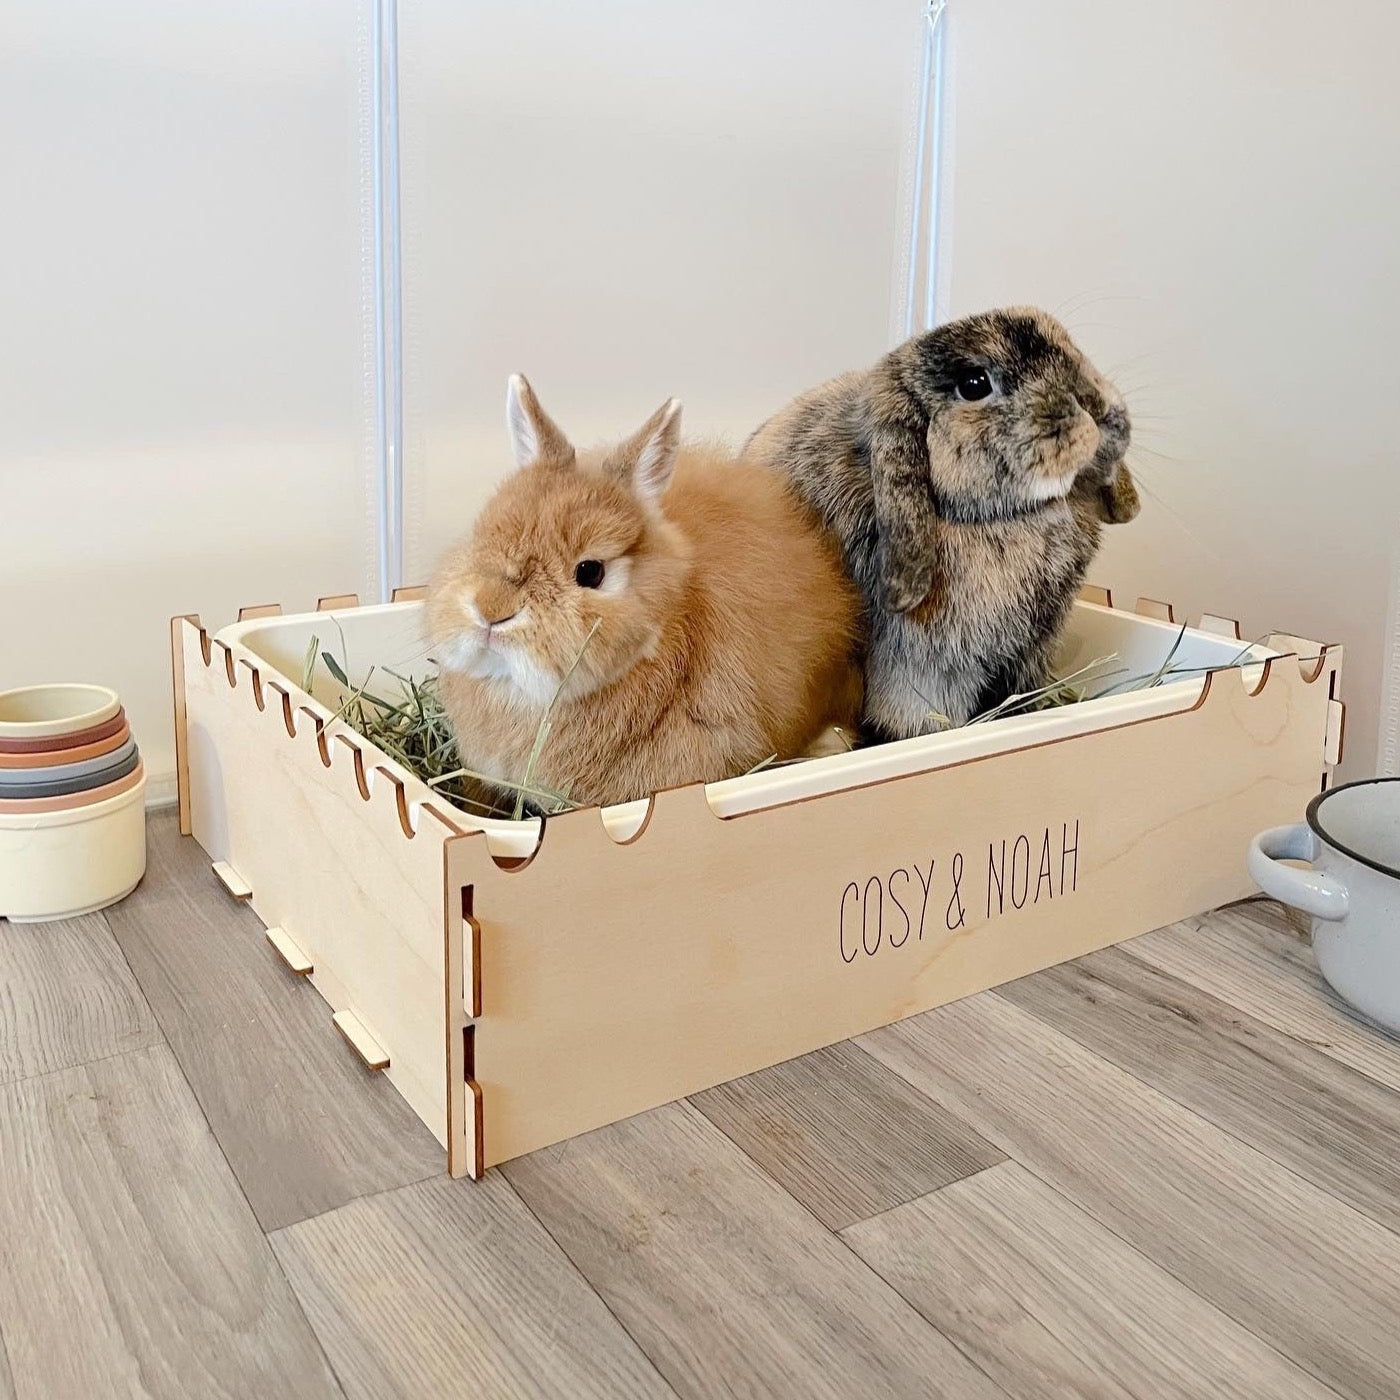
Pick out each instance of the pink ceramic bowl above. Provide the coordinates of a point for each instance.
(70, 753)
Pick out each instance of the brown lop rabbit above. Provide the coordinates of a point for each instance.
(967, 476)
(692, 617)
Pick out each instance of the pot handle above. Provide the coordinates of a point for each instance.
(1322, 896)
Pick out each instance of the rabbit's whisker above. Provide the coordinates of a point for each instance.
(1153, 452)
(1082, 301)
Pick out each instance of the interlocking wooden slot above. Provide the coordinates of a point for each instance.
(369, 1051)
(232, 881)
(296, 961)
(1336, 732)
(253, 677)
(1152, 607)
(471, 956)
(1220, 626)
(534, 986)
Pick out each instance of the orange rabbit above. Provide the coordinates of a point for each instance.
(705, 615)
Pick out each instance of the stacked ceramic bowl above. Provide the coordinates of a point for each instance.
(72, 802)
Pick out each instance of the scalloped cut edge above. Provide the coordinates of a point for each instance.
(373, 772)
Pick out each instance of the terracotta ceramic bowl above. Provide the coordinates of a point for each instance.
(48, 712)
(58, 742)
(35, 806)
(69, 778)
(32, 759)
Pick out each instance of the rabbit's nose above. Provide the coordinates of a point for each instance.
(1115, 433)
(1115, 419)
(491, 610)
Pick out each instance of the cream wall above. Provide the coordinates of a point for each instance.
(1207, 193)
(627, 201)
(182, 349)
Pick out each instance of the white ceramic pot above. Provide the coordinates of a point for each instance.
(55, 864)
(1352, 890)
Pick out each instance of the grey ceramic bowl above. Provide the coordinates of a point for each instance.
(67, 787)
(58, 772)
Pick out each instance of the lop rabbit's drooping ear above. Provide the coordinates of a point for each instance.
(534, 435)
(646, 460)
(905, 518)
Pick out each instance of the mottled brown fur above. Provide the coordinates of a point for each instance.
(968, 525)
(731, 638)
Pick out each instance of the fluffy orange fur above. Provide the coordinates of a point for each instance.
(723, 630)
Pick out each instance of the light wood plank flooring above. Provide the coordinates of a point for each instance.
(1167, 1170)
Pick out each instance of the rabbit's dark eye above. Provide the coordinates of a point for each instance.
(973, 383)
(589, 574)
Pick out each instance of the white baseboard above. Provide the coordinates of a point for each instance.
(161, 791)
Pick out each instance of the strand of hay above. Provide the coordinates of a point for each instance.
(412, 727)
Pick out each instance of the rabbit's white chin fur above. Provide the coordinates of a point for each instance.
(517, 674)
(1050, 488)
(520, 678)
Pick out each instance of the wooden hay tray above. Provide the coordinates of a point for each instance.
(515, 1000)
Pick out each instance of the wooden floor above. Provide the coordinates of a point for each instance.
(1169, 1169)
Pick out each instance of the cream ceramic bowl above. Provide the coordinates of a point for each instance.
(49, 711)
(58, 860)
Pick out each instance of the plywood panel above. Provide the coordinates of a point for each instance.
(791, 928)
(335, 868)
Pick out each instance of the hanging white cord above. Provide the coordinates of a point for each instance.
(928, 170)
(388, 300)
(920, 155)
(936, 28)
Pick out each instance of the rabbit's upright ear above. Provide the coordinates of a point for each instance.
(646, 460)
(534, 435)
(905, 517)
